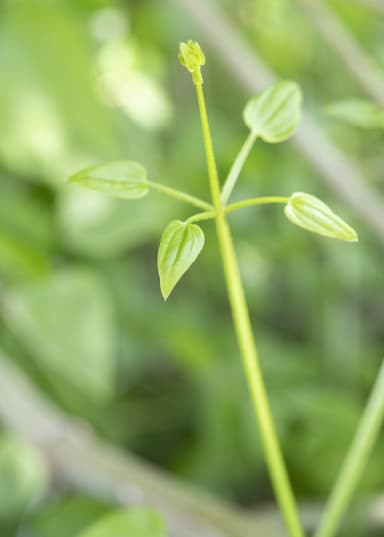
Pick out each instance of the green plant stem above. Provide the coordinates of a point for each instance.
(246, 342)
(207, 215)
(255, 201)
(183, 196)
(210, 155)
(237, 166)
(200, 216)
(355, 461)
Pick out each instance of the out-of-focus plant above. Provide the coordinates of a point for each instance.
(90, 81)
(358, 112)
(272, 116)
(139, 522)
(364, 114)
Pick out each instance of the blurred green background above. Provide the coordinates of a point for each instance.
(84, 81)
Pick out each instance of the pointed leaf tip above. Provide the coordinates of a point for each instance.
(120, 179)
(180, 245)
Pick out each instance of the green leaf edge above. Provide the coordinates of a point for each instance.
(165, 289)
(83, 178)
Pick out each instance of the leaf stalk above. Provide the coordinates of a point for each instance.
(182, 196)
(255, 201)
(237, 166)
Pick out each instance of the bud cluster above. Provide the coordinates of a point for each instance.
(192, 58)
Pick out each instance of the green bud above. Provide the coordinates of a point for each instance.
(310, 213)
(192, 57)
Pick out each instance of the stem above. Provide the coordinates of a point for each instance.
(200, 216)
(246, 342)
(237, 166)
(178, 194)
(207, 215)
(255, 201)
(355, 461)
(212, 169)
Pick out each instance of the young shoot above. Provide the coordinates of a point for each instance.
(271, 116)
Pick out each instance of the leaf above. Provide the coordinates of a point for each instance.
(67, 516)
(23, 475)
(311, 213)
(99, 226)
(138, 522)
(66, 322)
(358, 112)
(26, 235)
(51, 115)
(18, 259)
(274, 114)
(180, 245)
(119, 179)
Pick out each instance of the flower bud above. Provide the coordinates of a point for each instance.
(310, 213)
(192, 57)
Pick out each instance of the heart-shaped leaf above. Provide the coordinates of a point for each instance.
(119, 179)
(180, 245)
(310, 213)
(274, 113)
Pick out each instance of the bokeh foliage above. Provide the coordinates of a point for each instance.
(90, 80)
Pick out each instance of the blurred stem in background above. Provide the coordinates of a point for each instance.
(377, 5)
(367, 73)
(355, 461)
(78, 458)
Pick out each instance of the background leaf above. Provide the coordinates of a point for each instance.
(139, 522)
(48, 94)
(66, 517)
(66, 323)
(23, 475)
(358, 112)
(101, 227)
